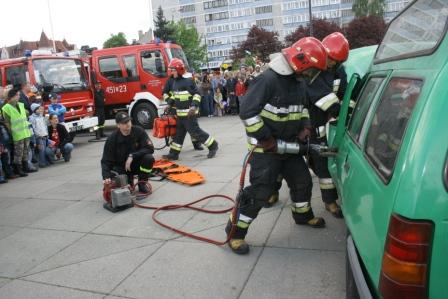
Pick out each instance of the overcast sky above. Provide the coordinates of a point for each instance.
(82, 22)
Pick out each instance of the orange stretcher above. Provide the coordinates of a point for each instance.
(177, 173)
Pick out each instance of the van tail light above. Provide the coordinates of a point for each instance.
(404, 272)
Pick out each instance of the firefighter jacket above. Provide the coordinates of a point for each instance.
(118, 148)
(99, 97)
(183, 94)
(274, 106)
(324, 94)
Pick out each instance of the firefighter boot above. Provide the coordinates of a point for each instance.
(303, 215)
(272, 200)
(143, 187)
(197, 146)
(97, 134)
(18, 170)
(238, 246)
(334, 209)
(212, 150)
(171, 156)
(102, 135)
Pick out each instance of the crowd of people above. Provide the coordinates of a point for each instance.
(221, 92)
(29, 138)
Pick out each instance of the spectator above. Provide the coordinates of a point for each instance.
(5, 153)
(240, 91)
(59, 140)
(207, 96)
(231, 97)
(219, 103)
(25, 88)
(40, 129)
(16, 121)
(257, 71)
(55, 107)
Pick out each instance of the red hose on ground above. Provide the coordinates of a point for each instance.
(189, 205)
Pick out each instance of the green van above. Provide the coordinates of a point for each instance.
(391, 164)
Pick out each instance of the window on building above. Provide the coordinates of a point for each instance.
(187, 8)
(110, 67)
(215, 4)
(265, 22)
(263, 9)
(130, 65)
(189, 20)
(217, 16)
(16, 74)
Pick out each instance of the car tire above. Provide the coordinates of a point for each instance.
(143, 115)
(350, 284)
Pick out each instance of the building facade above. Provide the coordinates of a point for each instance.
(225, 23)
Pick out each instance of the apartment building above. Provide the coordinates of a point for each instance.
(225, 23)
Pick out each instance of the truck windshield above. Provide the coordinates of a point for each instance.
(64, 74)
(178, 53)
(416, 31)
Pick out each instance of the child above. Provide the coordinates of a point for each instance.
(219, 105)
(59, 140)
(55, 107)
(40, 129)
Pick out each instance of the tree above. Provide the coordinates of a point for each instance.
(188, 38)
(163, 30)
(260, 42)
(365, 31)
(116, 40)
(364, 8)
(321, 28)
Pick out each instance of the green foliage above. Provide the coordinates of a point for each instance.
(188, 38)
(163, 30)
(363, 8)
(116, 40)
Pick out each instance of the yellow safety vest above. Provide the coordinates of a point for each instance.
(19, 123)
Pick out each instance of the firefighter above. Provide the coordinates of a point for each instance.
(277, 123)
(325, 93)
(182, 93)
(129, 151)
(99, 110)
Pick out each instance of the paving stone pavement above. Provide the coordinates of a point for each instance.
(56, 240)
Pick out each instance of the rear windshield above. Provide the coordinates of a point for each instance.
(416, 31)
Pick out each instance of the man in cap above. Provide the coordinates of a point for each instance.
(129, 151)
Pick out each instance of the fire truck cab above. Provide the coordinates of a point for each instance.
(133, 78)
(64, 75)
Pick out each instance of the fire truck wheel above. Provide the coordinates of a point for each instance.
(143, 115)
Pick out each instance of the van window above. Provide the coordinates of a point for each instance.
(389, 123)
(362, 106)
(152, 62)
(416, 31)
(110, 68)
(16, 74)
(130, 65)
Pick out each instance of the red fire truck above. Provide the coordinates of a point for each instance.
(64, 75)
(133, 78)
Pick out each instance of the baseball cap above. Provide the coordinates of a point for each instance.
(122, 117)
(34, 107)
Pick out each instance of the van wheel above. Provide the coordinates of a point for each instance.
(143, 115)
(350, 285)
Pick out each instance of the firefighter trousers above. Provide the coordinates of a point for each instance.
(319, 165)
(190, 125)
(141, 166)
(264, 171)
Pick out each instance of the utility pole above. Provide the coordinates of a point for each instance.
(51, 26)
(206, 51)
(311, 17)
(151, 20)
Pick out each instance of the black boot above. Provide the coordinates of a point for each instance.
(18, 170)
(28, 169)
(102, 135)
(97, 134)
(212, 150)
(171, 156)
(197, 146)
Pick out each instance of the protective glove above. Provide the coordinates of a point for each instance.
(304, 134)
(269, 145)
(333, 110)
(192, 112)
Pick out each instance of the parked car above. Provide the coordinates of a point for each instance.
(391, 165)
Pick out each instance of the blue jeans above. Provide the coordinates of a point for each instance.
(65, 151)
(44, 151)
(211, 104)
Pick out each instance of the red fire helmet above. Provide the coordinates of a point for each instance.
(306, 53)
(336, 46)
(178, 65)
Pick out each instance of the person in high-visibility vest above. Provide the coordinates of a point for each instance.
(16, 121)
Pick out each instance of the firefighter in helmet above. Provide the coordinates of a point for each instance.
(324, 92)
(182, 93)
(275, 114)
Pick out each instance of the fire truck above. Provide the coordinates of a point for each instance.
(133, 78)
(65, 76)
